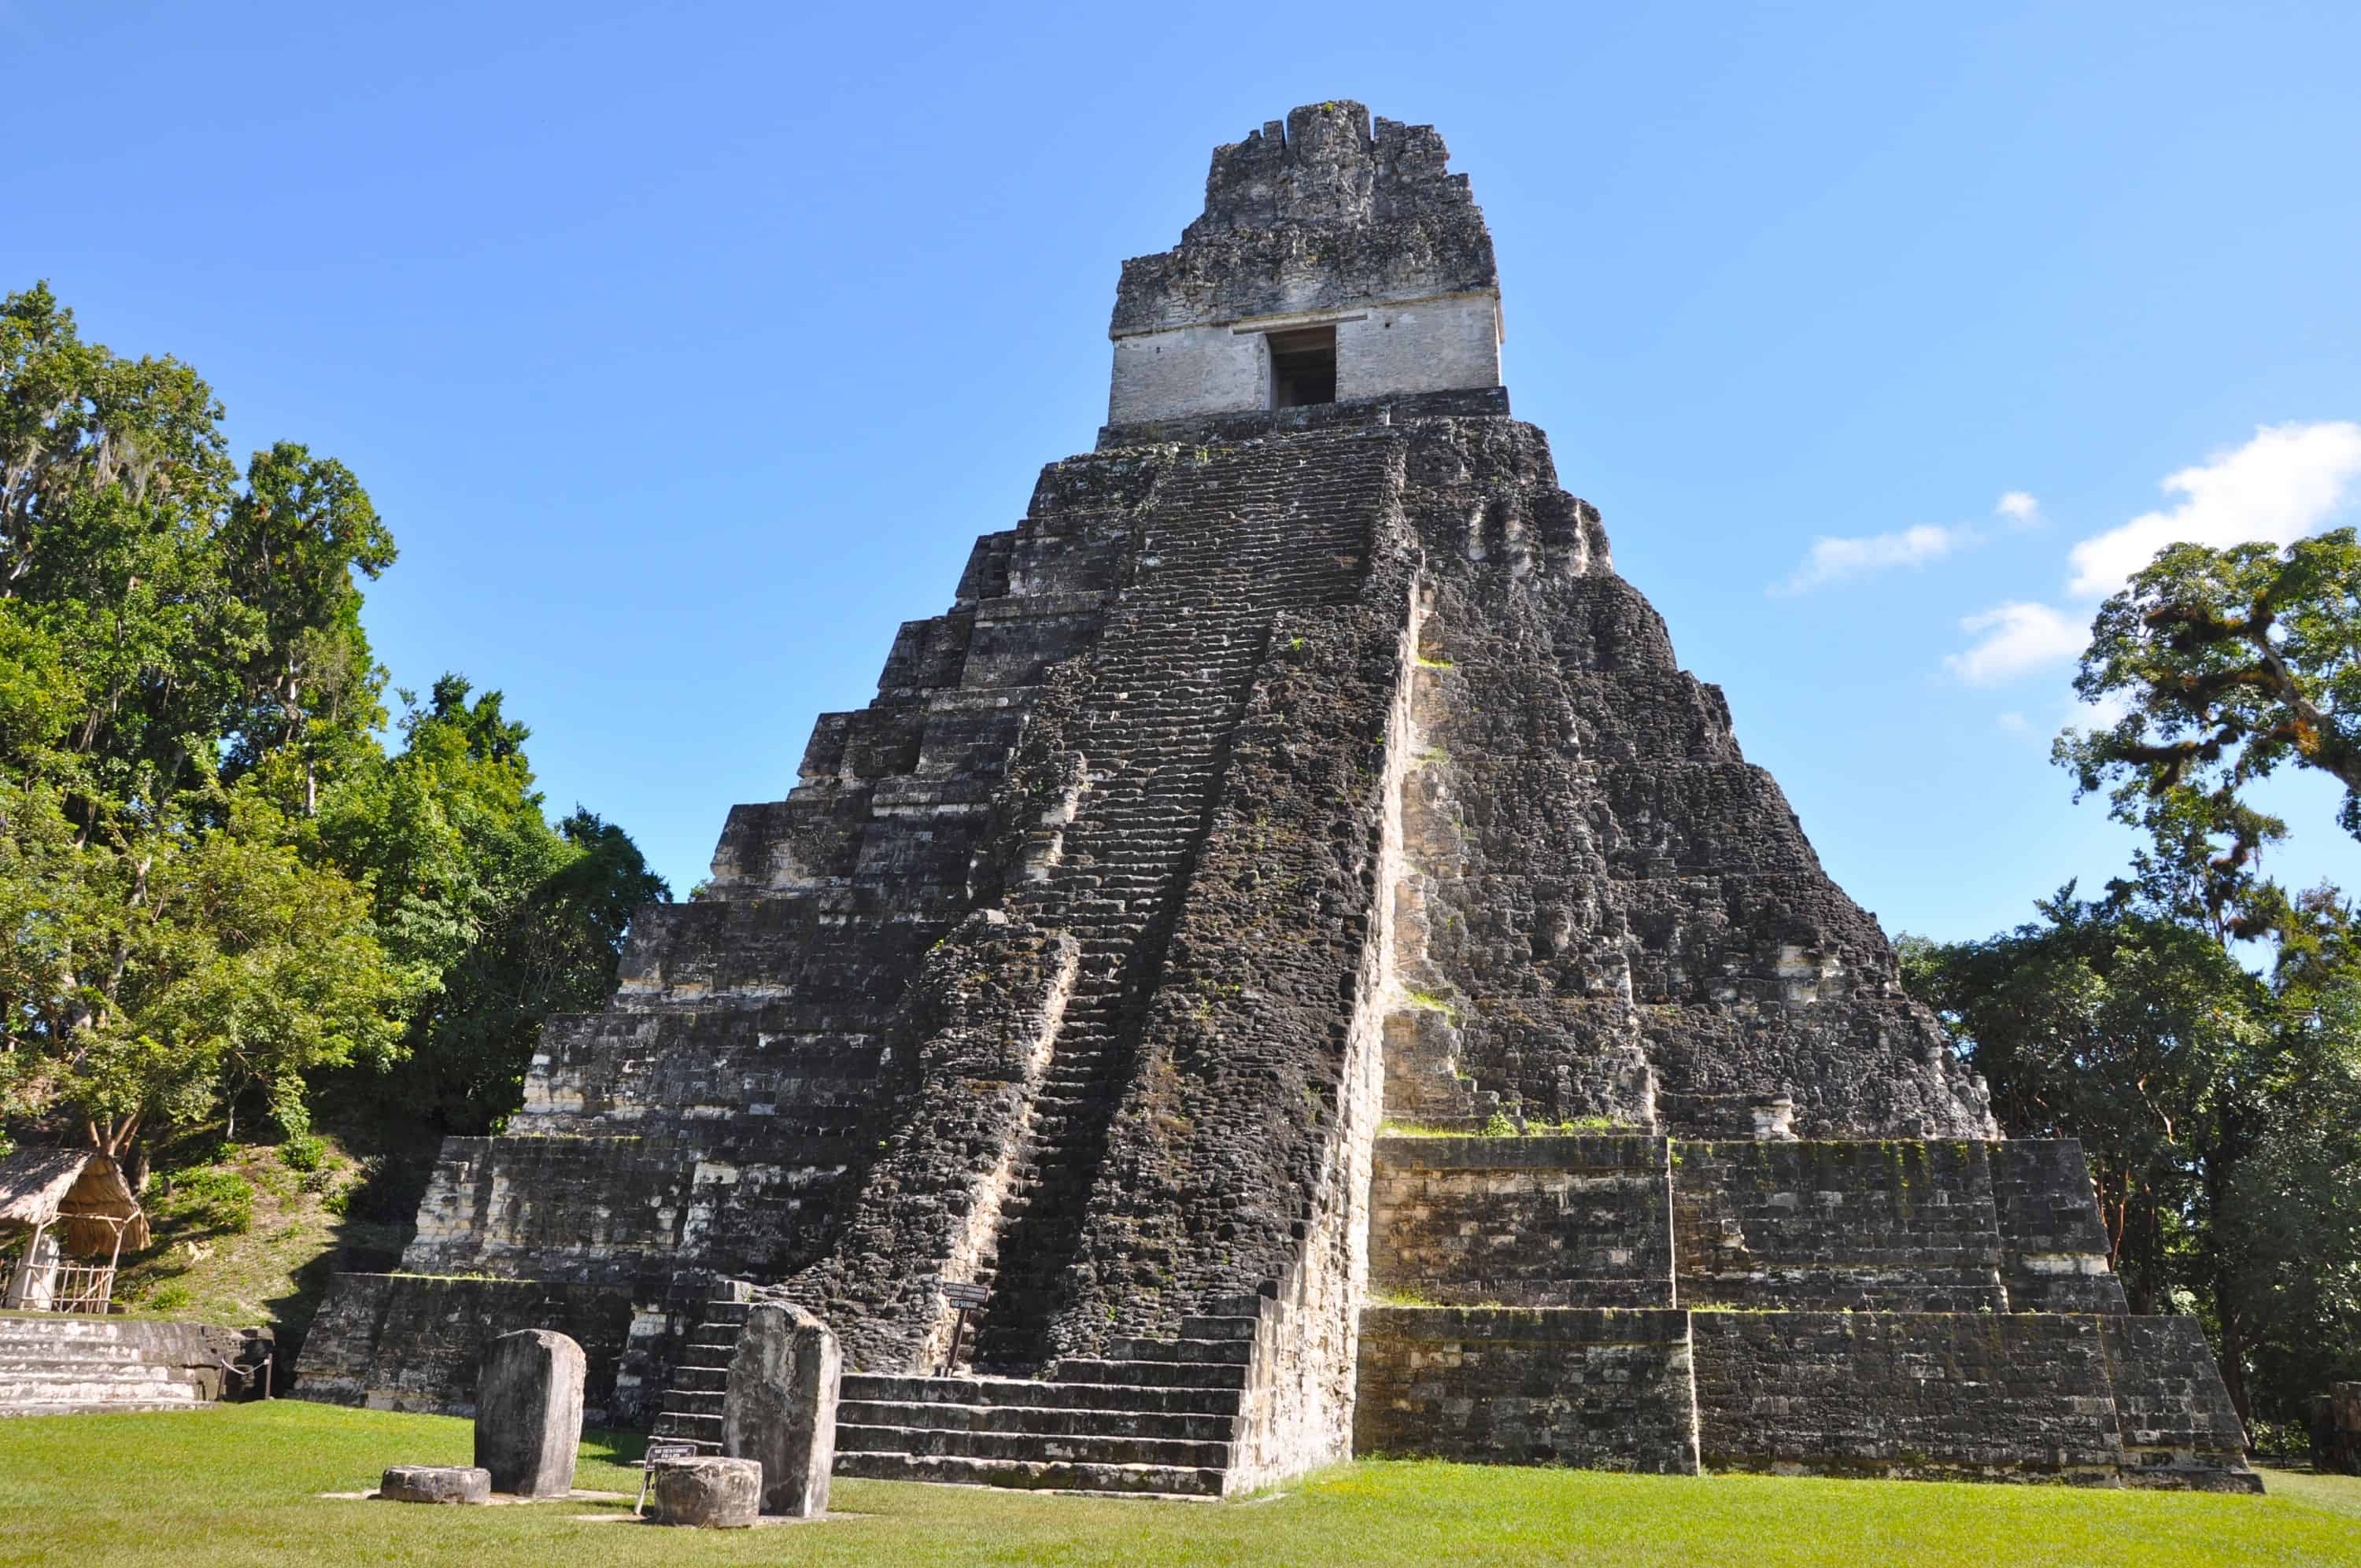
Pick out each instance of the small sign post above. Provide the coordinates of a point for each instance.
(657, 1452)
(966, 1297)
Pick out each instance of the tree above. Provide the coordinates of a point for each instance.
(154, 978)
(215, 884)
(517, 920)
(2234, 662)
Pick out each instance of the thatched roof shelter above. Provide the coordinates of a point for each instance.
(80, 1192)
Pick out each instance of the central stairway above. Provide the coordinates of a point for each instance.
(1156, 1418)
(1229, 543)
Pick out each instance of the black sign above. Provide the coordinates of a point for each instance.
(965, 1295)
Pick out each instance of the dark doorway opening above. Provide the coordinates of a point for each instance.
(1302, 367)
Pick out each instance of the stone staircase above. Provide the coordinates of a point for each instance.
(1153, 1417)
(62, 1365)
(1229, 543)
(691, 1410)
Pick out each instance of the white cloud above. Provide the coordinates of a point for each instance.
(2284, 484)
(2288, 482)
(2019, 637)
(1835, 560)
(2013, 724)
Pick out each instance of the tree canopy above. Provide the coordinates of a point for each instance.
(220, 886)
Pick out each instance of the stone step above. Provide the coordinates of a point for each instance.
(1230, 1352)
(98, 1407)
(1154, 1374)
(35, 1359)
(36, 1347)
(1078, 1448)
(99, 1391)
(1220, 1328)
(689, 1423)
(1174, 1426)
(1140, 1480)
(1142, 1398)
(97, 1371)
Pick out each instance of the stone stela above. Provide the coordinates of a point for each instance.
(1294, 793)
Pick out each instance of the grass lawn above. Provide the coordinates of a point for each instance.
(241, 1484)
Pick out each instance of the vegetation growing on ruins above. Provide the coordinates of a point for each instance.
(62, 1491)
(2198, 1025)
(238, 889)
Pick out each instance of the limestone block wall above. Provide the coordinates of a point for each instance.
(1604, 1390)
(2055, 1255)
(1400, 348)
(1539, 1221)
(1629, 921)
(1301, 1390)
(1892, 1225)
(1322, 213)
(397, 1342)
(1919, 1396)
(2175, 1411)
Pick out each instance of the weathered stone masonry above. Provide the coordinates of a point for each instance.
(1296, 765)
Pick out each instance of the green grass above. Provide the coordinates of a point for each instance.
(242, 1484)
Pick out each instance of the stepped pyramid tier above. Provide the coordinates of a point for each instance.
(1297, 771)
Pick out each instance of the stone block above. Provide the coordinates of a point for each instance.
(436, 1484)
(528, 1412)
(781, 1407)
(706, 1492)
(2336, 1430)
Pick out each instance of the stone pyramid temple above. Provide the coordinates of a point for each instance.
(1291, 930)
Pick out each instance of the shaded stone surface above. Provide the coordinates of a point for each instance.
(436, 1484)
(1603, 1389)
(781, 1407)
(2336, 1430)
(708, 1492)
(528, 1412)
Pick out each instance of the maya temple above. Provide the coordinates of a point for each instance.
(1291, 930)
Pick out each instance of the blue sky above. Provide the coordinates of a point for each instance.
(686, 348)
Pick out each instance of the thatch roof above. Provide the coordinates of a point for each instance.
(83, 1188)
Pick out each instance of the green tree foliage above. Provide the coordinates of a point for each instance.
(2233, 661)
(216, 884)
(516, 919)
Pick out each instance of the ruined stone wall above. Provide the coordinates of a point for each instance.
(1604, 1390)
(1320, 221)
(1624, 918)
(1403, 349)
(1321, 212)
(2174, 1410)
(1542, 1221)
(1894, 1226)
(397, 1342)
(2055, 1255)
(1928, 1396)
